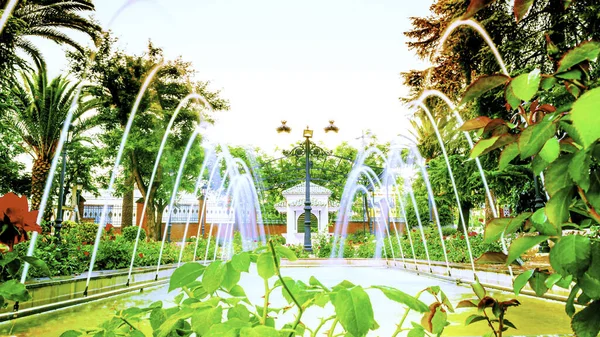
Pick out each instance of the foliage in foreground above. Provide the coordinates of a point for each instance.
(212, 303)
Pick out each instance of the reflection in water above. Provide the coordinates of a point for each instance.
(533, 317)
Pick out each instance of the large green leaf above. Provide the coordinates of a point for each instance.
(510, 152)
(482, 85)
(14, 290)
(533, 138)
(525, 86)
(590, 286)
(214, 276)
(232, 277)
(583, 115)
(586, 323)
(259, 331)
(512, 100)
(521, 8)
(579, 169)
(523, 244)
(557, 208)
(265, 265)
(517, 222)
(495, 228)
(556, 175)
(241, 261)
(71, 333)
(286, 252)
(537, 282)
(551, 150)
(38, 264)
(203, 320)
(585, 51)
(474, 319)
(521, 281)
(354, 310)
(541, 223)
(482, 145)
(571, 255)
(185, 275)
(401, 297)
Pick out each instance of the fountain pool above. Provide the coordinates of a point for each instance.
(387, 313)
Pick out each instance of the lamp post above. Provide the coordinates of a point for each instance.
(61, 188)
(203, 209)
(307, 134)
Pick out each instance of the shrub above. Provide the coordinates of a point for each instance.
(129, 233)
(82, 233)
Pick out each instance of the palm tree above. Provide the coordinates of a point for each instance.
(46, 19)
(37, 111)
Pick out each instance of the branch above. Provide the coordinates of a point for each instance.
(588, 205)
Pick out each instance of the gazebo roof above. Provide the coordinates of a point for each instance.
(300, 189)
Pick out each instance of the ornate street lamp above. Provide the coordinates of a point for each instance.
(307, 134)
(203, 210)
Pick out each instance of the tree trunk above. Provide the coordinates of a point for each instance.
(465, 208)
(153, 232)
(127, 204)
(39, 174)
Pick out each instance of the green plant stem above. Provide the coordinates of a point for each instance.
(500, 323)
(277, 272)
(263, 319)
(127, 322)
(399, 328)
(490, 323)
(323, 321)
(335, 322)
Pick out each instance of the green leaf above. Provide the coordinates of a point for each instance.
(557, 208)
(13, 290)
(494, 229)
(509, 324)
(538, 165)
(521, 8)
(185, 275)
(569, 307)
(510, 152)
(38, 264)
(551, 150)
(401, 297)
(416, 331)
(482, 145)
(478, 289)
(240, 312)
(574, 74)
(259, 331)
(537, 282)
(482, 85)
(510, 97)
(525, 86)
(556, 177)
(214, 276)
(585, 110)
(314, 282)
(439, 321)
(354, 310)
(533, 138)
(571, 255)
(523, 244)
(237, 291)
(585, 51)
(232, 277)
(286, 252)
(517, 222)
(565, 282)
(521, 281)
(590, 286)
(71, 333)
(586, 323)
(579, 169)
(473, 319)
(552, 279)
(548, 82)
(203, 320)
(475, 6)
(241, 262)
(265, 265)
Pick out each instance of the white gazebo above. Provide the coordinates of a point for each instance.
(293, 206)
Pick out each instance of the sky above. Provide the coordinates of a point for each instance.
(306, 61)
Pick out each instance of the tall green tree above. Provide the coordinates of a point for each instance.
(42, 18)
(36, 111)
(119, 77)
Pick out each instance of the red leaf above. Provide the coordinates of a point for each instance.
(493, 124)
(482, 85)
(475, 6)
(475, 123)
